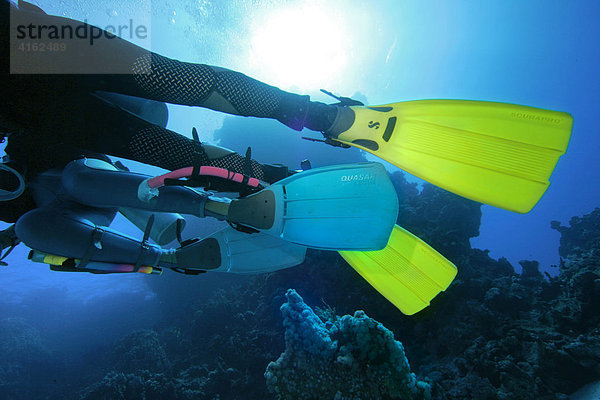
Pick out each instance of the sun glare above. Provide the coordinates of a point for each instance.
(304, 47)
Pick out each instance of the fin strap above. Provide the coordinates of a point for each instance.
(188, 271)
(343, 101)
(96, 244)
(196, 167)
(178, 229)
(243, 228)
(144, 245)
(328, 141)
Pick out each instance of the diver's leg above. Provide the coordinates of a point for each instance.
(150, 75)
(91, 124)
(87, 122)
(227, 91)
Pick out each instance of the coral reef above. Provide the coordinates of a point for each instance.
(355, 358)
(577, 306)
(23, 358)
(141, 350)
(521, 336)
(142, 385)
(582, 235)
(194, 383)
(494, 334)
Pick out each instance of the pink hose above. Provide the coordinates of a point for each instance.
(159, 181)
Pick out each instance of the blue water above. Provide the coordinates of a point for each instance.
(537, 53)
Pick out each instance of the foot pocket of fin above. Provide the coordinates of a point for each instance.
(257, 210)
(202, 254)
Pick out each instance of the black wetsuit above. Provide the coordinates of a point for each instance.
(59, 119)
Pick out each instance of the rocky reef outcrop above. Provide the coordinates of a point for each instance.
(345, 358)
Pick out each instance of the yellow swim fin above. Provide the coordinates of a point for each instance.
(408, 272)
(495, 153)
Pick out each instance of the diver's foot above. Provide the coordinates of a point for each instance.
(344, 120)
(194, 254)
(333, 118)
(299, 112)
(320, 116)
(329, 119)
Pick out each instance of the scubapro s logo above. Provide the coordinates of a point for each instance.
(374, 124)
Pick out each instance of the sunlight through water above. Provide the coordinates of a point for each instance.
(306, 46)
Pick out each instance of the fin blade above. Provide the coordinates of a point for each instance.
(408, 272)
(330, 207)
(495, 153)
(244, 253)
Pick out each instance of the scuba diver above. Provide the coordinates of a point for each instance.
(495, 153)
